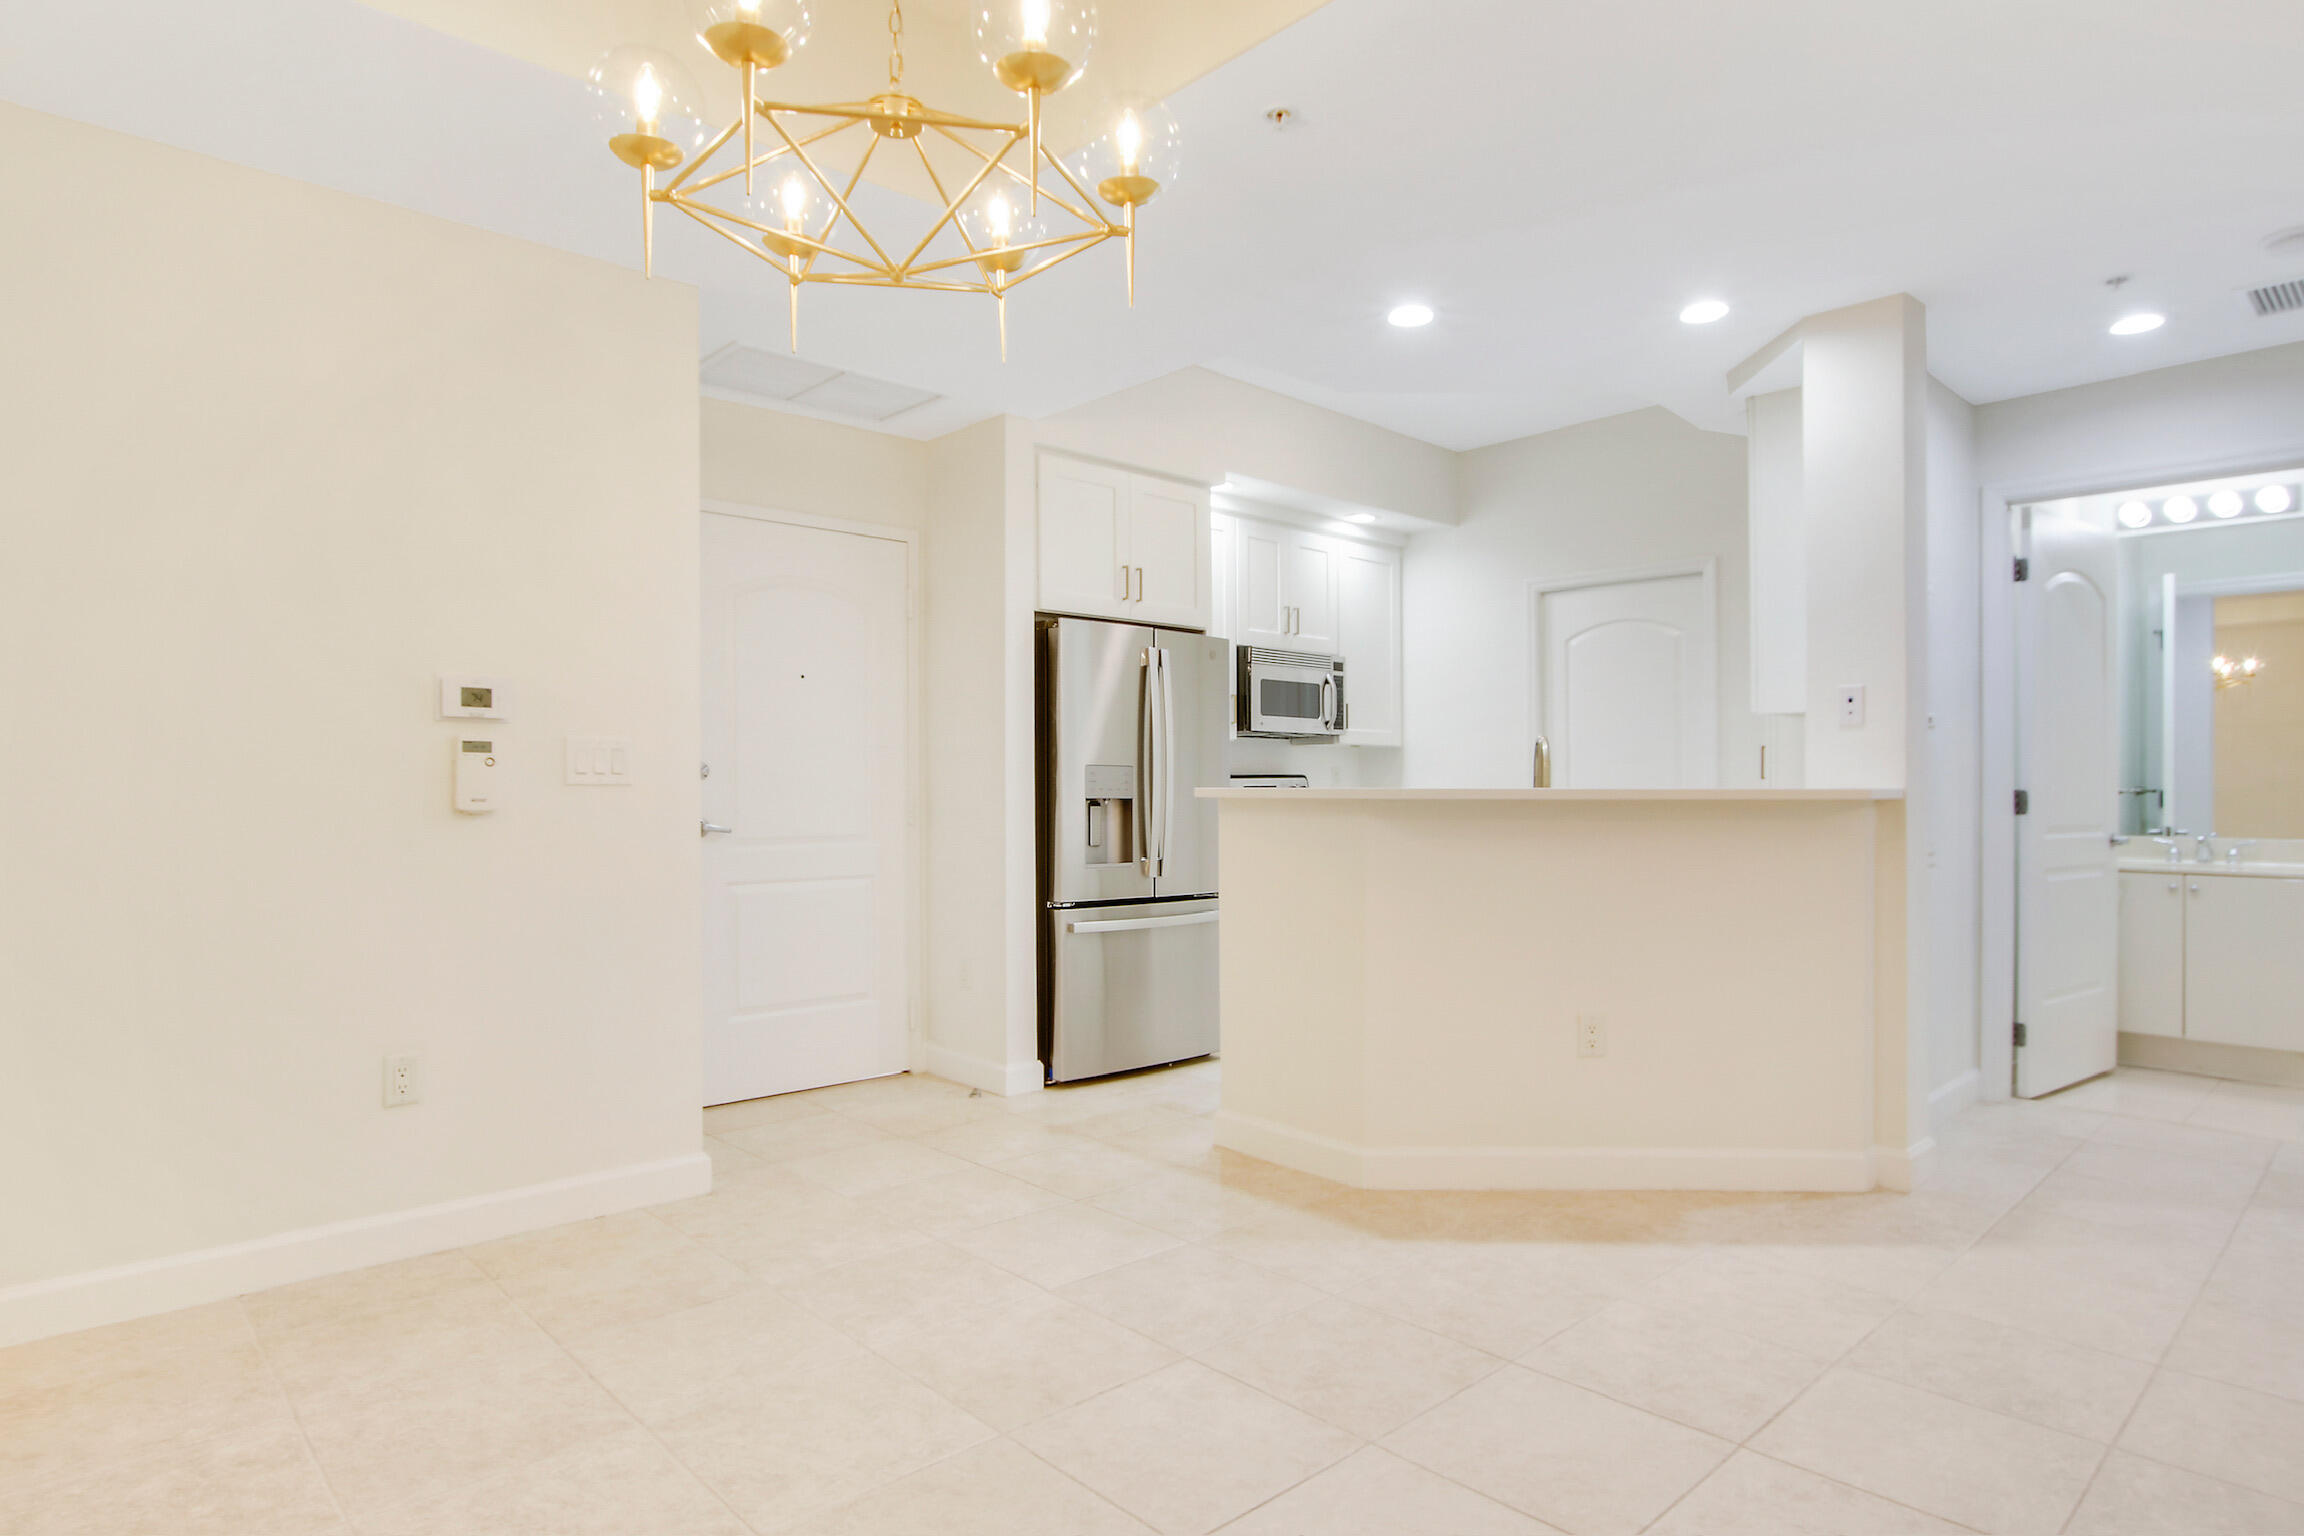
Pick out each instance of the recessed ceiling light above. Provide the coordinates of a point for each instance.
(2275, 499)
(1361, 517)
(1410, 316)
(2225, 504)
(1703, 312)
(2134, 514)
(2179, 509)
(2138, 323)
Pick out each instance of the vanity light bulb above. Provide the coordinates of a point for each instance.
(2180, 509)
(2225, 504)
(647, 98)
(2134, 514)
(2275, 499)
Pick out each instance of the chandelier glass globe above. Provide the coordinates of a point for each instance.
(1035, 45)
(758, 33)
(645, 104)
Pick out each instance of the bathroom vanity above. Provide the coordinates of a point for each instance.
(2213, 952)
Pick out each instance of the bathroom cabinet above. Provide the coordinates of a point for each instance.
(2212, 955)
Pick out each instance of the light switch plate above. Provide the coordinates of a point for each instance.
(599, 759)
(1848, 704)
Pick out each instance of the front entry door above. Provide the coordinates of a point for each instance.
(2067, 886)
(807, 906)
(1629, 693)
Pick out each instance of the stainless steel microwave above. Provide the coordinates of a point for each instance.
(1290, 694)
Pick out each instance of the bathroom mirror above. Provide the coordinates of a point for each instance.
(2213, 656)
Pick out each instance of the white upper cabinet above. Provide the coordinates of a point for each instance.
(1287, 589)
(1119, 545)
(1368, 638)
(1290, 589)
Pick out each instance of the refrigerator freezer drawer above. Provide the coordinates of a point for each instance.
(1135, 986)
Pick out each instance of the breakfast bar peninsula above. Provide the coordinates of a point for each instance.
(1569, 989)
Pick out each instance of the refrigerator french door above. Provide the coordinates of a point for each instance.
(1131, 722)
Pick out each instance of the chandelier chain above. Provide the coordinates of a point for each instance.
(896, 42)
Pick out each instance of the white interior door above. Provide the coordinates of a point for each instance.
(2067, 887)
(807, 902)
(1629, 672)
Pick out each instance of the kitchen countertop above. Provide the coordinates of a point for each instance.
(2267, 870)
(1540, 795)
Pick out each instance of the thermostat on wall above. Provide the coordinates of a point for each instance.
(473, 698)
(475, 775)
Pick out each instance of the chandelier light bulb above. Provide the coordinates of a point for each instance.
(1129, 139)
(1034, 23)
(2274, 499)
(999, 218)
(2134, 514)
(2225, 504)
(794, 196)
(2179, 509)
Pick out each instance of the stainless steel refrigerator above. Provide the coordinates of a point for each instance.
(1131, 721)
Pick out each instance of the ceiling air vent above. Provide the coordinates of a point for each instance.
(2277, 298)
(748, 371)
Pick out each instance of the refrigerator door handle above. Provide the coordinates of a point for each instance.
(1146, 764)
(1167, 760)
(1134, 924)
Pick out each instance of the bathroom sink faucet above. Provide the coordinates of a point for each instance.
(2172, 838)
(2204, 851)
(2232, 849)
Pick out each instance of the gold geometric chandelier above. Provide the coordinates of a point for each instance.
(2236, 674)
(785, 187)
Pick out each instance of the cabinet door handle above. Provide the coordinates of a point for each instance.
(2195, 887)
(1139, 583)
(1123, 583)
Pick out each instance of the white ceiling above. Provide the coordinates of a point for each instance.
(1555, 179)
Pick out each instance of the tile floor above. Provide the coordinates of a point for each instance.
(905, 1309)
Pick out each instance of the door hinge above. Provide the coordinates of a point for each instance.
(2023, 802)
(2020, 1036)
(2023, 569)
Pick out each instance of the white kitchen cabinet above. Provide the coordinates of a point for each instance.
(1287, 589)
(2243, 963)
(1368, 638)
(2152, 952)
(1119, 545)
(1290, 589)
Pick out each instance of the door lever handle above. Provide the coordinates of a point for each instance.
(708, 828)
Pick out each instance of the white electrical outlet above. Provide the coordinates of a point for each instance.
(1591, 1034)
(403, 1081)
(1849, 705)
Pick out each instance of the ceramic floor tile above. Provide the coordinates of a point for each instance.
(2138, 1091)
(1189, 1298)
(378, 1291)
(956, 1201)
(56, 1429)
(2225, 1432)
(2188, 1140)
(1186, 1205)
(903, 1289)
(1713, 1379)
(2145, 1170)
(2081, 1297)
(1186, 1449)
(749, 1114)
(84, 1358)
(780, 1141)
(1013, 1363)
(1819, 1318)
(995, 1489)
(1752, 1495)
(1481, 1298)
(386, 1443)
(2135, 1497)
(786, 1238)
(1966, 1464)
(1063, 1243)
(2242, 1349)
(1080, 1169)
(2253, 1109)
(614, 1487)
(728, 1159)
(2043, 1381)
(1360, 1370)
(613, 1269)
(818, 1435)
(262, 1482)
(1572, 1458)
(875, 1165)
(1374, 1493)
(661, 1368)
(997, 1139)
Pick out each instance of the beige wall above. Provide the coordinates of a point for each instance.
(1629, 492)
(2260, 725)
(788, 463)
(273, 457)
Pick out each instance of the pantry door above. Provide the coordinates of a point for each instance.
(1627, 673)
(805, 802)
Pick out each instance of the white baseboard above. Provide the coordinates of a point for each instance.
(1006, 1078)
(68, 1303)
(1902, 1169)
(2206, 1058)
(1955, 1095)
(1546, 1167)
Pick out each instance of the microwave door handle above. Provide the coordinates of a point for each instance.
(1327, 702)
